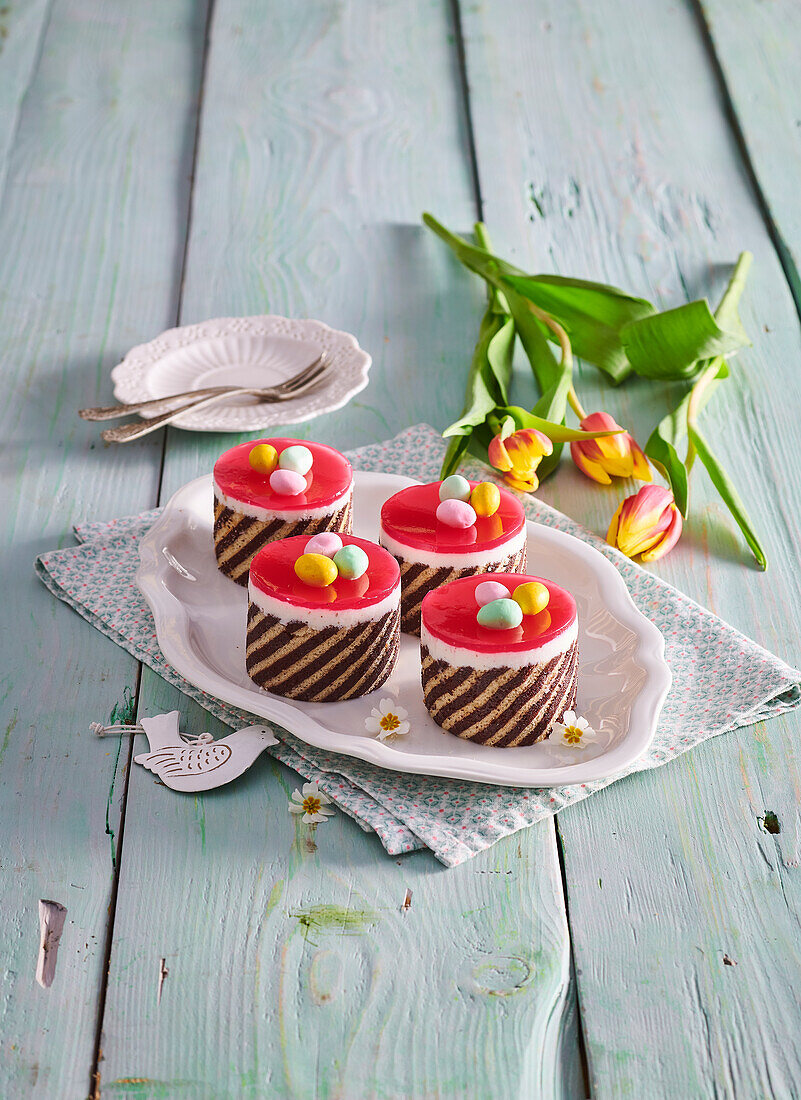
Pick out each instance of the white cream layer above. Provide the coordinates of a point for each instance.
(471, 658)
(319, 618)
(436, 560)
(265, 514)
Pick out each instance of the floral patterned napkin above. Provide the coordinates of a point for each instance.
(721, 679)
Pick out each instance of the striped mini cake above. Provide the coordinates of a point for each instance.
(321, 643)
(431, 553)
(502, 686)
(249, 512)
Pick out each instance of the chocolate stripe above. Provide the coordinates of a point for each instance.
(504, 706)
(238, 537)
(539, 707)
(302, 663)
(362, 671)
(417, 580)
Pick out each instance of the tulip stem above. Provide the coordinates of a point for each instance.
(575, 404)
(557, 330)
(699, 395)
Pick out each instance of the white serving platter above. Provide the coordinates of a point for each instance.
(623, 679)
(244, 351)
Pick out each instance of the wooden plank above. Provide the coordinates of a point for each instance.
(603, 151)
(91, 221)
(292, 971)
(22, 30)
(757, 47)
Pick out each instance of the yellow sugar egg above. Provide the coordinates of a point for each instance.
(486, 499)
(532, 597)
(263, 457)
(316, 570)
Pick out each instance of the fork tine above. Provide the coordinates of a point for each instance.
(299, 378)
(310, 376)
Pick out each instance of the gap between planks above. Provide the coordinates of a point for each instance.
(791, 273)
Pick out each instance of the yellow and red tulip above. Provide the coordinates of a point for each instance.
(518, 454)
(610, 456)
(647, 523)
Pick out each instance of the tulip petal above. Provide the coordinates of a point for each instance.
(599, 422)
(498, 455)
(523, 485)
(642, 468)
(644, 518)
(593, 470)
(668, 539)
(611, 534)
(645, 508)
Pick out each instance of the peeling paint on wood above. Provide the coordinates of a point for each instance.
(52, 915)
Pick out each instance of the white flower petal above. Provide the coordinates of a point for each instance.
(402, 729)
(294, 808)
(569, 718)
(297, 795)
(401, 713)
(309, 788)
(324, 799)
(372, 725)
(314, 818)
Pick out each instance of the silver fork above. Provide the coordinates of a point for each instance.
(165, 404)
(126, 433)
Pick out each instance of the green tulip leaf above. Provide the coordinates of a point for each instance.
(592, 314)
(670, 344)
(557, 433)
(731, 498)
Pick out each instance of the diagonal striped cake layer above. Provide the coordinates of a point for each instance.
(238, 537)
(500, 706)
(418, 579)
(300, 662)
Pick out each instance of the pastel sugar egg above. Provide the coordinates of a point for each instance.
(287, 482)
(316, 570)
(298, 459)
(532, 597)
(351, 562)
(326, 543)
(488, 591)
(500, 615)
(486, 498)
(456, 513)
(263, 458)
(454, 487)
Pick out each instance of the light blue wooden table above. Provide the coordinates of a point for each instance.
(166, 161)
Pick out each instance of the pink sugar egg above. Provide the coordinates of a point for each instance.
(326, 543)
(456, 513)
(287, 483)
(488, 591)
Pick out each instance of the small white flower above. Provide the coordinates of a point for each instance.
(573, 732)
(387, 720)
(310, 802)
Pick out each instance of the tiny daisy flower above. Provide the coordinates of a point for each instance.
(310, 802)
(387, 720)
(573, 732)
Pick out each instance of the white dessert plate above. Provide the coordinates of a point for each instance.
(200, 623)
(243, 351)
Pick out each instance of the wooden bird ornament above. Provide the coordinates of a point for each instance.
(205, 763)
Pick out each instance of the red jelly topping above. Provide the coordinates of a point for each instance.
(327, 480)
(449, 613)
(410, 517)
(273, 573)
